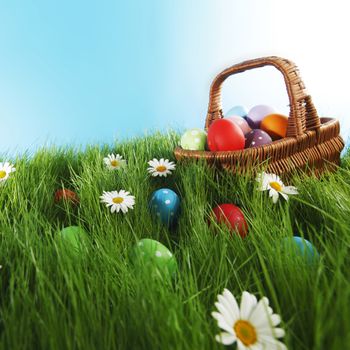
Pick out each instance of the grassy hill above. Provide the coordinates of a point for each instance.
(53, 298)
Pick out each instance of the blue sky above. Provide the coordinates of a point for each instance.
(76, 72)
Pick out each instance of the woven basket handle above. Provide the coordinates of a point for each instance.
(303, 115)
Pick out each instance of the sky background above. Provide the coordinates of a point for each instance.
(80, 72)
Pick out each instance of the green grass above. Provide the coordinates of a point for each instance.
(52, 298)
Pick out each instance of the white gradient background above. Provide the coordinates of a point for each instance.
(79, 72)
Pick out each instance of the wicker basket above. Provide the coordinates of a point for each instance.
(311, 143)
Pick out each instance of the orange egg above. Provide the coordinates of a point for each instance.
(275, 125)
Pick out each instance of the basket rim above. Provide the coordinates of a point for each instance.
(325, 122)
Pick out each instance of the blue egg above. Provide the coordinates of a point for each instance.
(165, 205)
(237, 110)
(303, 248)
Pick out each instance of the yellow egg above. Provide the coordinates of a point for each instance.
(275, 125)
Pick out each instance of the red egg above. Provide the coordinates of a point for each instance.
(225, 135)
(233, 217)
(66, 195)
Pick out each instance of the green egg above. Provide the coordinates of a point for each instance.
(194, 139)
(152, 254)
(73, 237)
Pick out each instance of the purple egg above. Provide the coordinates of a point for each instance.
(257, 138)
(242, 123)
(257, 114)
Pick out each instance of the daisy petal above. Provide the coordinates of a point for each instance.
(275, 197)
(223, 301)
(225, 338)
(260, 315)
(257, 346)
(272, 343)
(248, 303)
(222, 323)
(279, 332)
(275, 319)
(241, 346)
(232, 301)
(284, 196)
(268, 331)
(290, 190)
(224, 312)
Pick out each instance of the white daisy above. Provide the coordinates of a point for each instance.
(272, 183)
(252, 326)
(160, 167)
(114, 161)
(5, 170)
(118, 200)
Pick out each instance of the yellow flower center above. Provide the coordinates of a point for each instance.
(118, 200)
(245, 332)
(161, 168)
(114, 162)
(276, 186)
(2, 174)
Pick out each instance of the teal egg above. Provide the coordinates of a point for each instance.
(302, 248)
(165, 205)
(194, 139)
(73, 237)
(152, 254)
(240, 111)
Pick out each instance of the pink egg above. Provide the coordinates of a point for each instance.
(241, 122)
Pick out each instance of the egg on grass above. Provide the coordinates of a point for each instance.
(153, 256)
(301, 248)
(165, 206)
(233, 217)
(73, 238)
(65, 195)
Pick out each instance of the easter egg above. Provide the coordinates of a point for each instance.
(275, 125)
(233, 217)
(165, 205)
(257, 114)
(150, 253)
(301, 247)
(67, 196)
(225, 135)
(242, 123)
(256, 138)
(194, 139)
(241, 111)
(73, 236)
